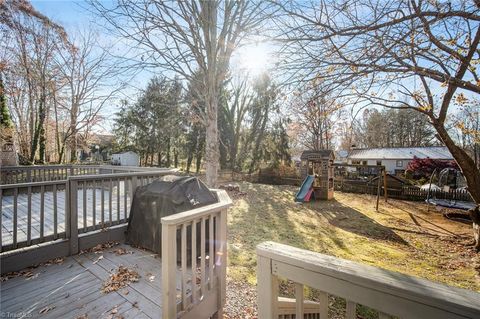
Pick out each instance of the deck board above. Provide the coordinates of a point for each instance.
(49, 204)
(73, 288)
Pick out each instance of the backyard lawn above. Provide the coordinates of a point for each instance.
(402, 237)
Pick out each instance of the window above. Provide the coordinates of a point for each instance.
(355, 162)
(399, 163)
(364, 163)
(379, 163)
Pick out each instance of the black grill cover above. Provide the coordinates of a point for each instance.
(163, 197)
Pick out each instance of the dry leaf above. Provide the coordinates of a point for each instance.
(150, 277)
(46, 309)
(120, 279)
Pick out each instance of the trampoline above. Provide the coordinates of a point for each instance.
(448, 179)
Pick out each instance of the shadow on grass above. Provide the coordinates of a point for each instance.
(354, 221)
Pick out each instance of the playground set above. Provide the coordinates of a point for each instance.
(317, 171)
(449, 180)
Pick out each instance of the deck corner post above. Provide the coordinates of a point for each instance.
(169, 271)
(221, 251)
(71, 194)
(267, 287)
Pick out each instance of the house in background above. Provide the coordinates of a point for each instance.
(126, 159)
(396, 159)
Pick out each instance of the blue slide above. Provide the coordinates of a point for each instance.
(305, 188)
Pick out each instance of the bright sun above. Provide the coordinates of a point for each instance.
(254, 59)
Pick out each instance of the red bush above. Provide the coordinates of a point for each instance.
(423, 167)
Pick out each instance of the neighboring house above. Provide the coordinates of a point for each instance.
(126, 159)
(341, 157)
(396, 159)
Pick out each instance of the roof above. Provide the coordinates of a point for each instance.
(400, 153)
(310, 154)
(127, 152)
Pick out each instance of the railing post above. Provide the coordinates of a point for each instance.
(221, 259)
(267, 283)
(72, 194)
(169, 269)
(134, 185)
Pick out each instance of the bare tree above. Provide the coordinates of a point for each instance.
(315, 112)
(427, 51)
(32, 43)
(89, 81)
(183, 37)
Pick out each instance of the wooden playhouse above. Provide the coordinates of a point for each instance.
(319, 164)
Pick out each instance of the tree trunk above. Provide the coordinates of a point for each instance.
(168, 153)
(212, 156)
(175, 158)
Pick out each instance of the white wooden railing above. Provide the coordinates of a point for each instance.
(194, 251)
(390, 293)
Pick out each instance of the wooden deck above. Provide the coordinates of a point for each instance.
(74, 288)
(115, 209)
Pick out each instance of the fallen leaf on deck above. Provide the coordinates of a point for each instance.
(46, 309)
(122, 251)
(120, 279)
(125, 292)
(114, 310)
(82, 317)
(150, 277)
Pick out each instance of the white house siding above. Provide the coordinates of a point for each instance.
(389, 157)
(126, 159)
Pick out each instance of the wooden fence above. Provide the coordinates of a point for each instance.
(391, 294)
(410, 193)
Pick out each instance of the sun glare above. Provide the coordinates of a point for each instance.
(254, 59)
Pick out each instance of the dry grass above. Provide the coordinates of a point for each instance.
(402, 236)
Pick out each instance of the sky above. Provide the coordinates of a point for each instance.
(73, 16)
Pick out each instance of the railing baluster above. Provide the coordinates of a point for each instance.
(15, 207)
(42, 211)
(323, 300)
(55, 221)
(267, 291)
(110, 215)
(125, 194)
(73, 231)
(221, 252)
(94, 204)
(118, 200)
(203, 247)
(298, 300)
(211, 252)
(194, 261)
(29, 216)
(351, 310)
(184, 266)
(102, 208)
(169, 269)
(84, 206)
